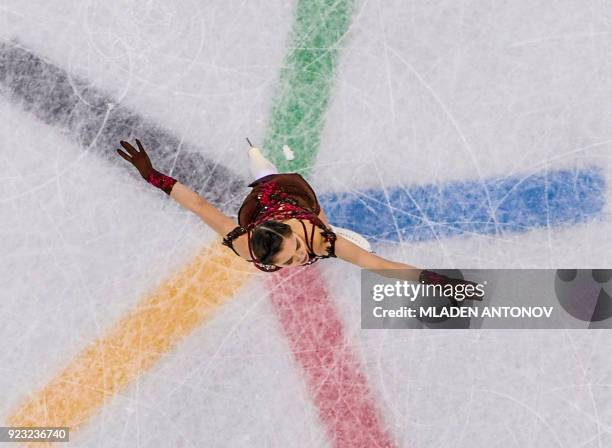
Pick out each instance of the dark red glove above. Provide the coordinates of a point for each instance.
(141, 161)
(433, 278)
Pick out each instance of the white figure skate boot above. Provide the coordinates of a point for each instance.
(259, 165)
(353, 237)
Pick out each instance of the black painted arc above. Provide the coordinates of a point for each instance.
(69, 103)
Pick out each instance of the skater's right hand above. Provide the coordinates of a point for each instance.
(139, 159)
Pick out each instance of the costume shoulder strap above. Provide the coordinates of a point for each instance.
(228, 240)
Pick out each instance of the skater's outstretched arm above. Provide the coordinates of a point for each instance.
(219, 222)
(354, 254)
(393, 269)
(189, 199)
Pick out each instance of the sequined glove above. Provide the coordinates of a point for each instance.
(434, 278)
(141, 161)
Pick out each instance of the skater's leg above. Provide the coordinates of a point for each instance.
(353, 237)
(259, 165)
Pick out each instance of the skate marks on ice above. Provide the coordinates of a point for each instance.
(159, 321)
(163, 317)
(427, 212)
(421, 213)
(136, 343)
(60, 99)
(333, 372)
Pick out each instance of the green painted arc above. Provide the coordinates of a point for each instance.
(298, 108)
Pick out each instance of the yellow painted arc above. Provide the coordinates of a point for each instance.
(135, 343)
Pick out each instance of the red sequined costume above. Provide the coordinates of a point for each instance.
(279, 197)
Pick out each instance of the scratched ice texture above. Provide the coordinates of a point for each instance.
(469, 134)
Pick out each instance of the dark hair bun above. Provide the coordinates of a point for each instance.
(267, 240)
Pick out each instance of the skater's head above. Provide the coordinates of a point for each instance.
(275, 243)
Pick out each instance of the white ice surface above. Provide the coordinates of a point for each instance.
(205, 70)
(426, 92)
(76, 259)
(435, 91)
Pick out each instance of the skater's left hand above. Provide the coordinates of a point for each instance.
(139, 159)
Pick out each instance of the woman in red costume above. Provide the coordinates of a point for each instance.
(280, 223)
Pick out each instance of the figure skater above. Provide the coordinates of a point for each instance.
(278, 222)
